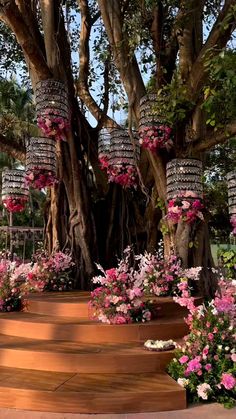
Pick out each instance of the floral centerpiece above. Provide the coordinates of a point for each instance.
(205, 363)
(15, 204)
(52, 125)
(40, 178)
(186, 207)
(118, 300)
(156, 137)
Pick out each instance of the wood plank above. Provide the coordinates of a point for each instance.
(91, 393)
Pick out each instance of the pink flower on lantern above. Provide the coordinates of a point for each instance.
(156, 137)
(40, 178)
(53, 125)
(14, 204)
(184, 209)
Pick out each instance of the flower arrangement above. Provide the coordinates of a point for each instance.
(52, 125)
(233, 223)
(162, 277)
(52, 272)
(12, 286)
(40, 178)
(185, 207)
(205, 363)
(156, 137)
(15, 204)
(45, 273)
(118, 299)
(123, 174)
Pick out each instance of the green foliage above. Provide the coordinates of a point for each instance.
(173, 104)
(227, 258)
(220, 89)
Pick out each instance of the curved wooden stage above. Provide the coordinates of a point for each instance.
(54, 358)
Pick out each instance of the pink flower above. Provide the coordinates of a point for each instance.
(183, 359)
(194, 365)
(228, 381)
(233, 357)
(208, 367)
(210, 336)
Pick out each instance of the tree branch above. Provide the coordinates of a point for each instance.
(125, 62)
(13, 18)
(217, 39)
(84, 55)
(12, 147)
(213, 138)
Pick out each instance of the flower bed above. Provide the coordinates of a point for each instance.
(156, 137)
(205, 363)
(52, 125)
(185, 207)
(40, 178)
(15, 204)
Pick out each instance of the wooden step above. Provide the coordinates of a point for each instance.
(75, 304)
(65, 356)
(89, 393)
(37, 326)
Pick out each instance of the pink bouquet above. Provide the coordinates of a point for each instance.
(185, 207)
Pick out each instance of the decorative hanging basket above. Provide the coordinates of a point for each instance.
(40, 162)
(184, 190)
(52, 108)
(14, 191)
(154, 133)
(231, 181)
(123, 158)
(104, 141)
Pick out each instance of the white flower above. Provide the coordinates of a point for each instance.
(232, 351)
(219, 347)
(183, 382)
(227, 348)
(203, 390)
(231, 327)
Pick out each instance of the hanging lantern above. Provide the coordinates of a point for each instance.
(123, 158)
(184, 190)
(231, 181)
(52, 108)
(40, 162)
(103, 148)
(154, 133)
(14, 191)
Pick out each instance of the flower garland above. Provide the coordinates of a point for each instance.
(233, 223)
(156, 137)
(40, 178)
(15, 204)
(53, 125)
(185, 207)
(205, 363)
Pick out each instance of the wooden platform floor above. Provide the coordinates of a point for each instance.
(67, 363)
